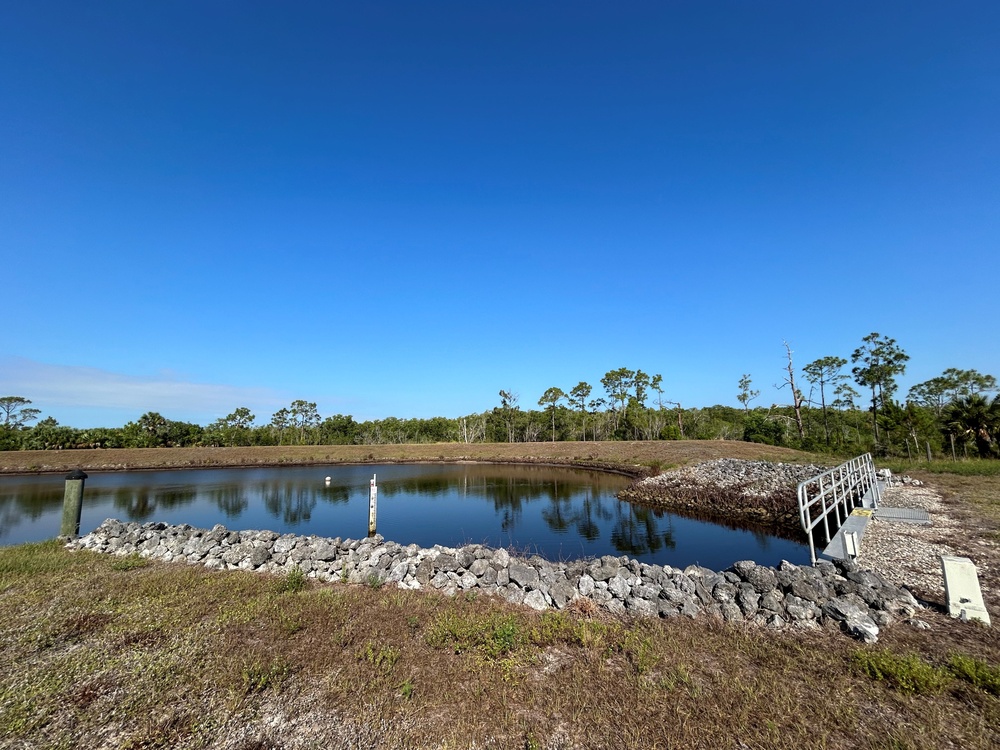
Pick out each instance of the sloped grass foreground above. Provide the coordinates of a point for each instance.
(98, 651)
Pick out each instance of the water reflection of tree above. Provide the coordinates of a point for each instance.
(140, 503)
(289, 501)
(508, 500)
(30, 501)
(510, 496)
(636, 531)
(591, 509)
(231, 500)
(502, 490)
(558, 515)
(336, 494)
(510, 490)
(763, 539)
(9, 518)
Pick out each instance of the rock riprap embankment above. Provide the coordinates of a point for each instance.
(839, 595)
(730, 490)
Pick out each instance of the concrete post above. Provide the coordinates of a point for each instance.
(72, 504)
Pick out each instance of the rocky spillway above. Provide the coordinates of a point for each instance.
(731, 491)
(835, 595)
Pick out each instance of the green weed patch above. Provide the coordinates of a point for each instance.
(906, 673)
(976, 672)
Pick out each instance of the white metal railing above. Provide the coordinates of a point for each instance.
(837, 492)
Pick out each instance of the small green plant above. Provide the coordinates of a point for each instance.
(976, 672)
(289, 622)
(505, 636)
(258, 676)
(383, 658)
(554, 627)
(639, 651)
(677, 676)
(406, 689)
(375, 581)
(130, 562)
(907, 673)
(492, 637)
(293, 582)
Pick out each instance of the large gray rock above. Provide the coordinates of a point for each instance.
(536, 600)
(863, 628)
(562, 592)
(605, 572)
(843, 607)
(619, 587)
(479, 566)
(761, 578)
(642, 607)
(398, 572)
(523, 575)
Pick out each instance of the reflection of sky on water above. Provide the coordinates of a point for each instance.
(558, 513)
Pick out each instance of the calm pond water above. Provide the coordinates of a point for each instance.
(561, 514)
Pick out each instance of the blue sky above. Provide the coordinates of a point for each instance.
(399, 208)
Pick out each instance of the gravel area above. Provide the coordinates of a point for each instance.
(910, 554)
(751, 478)
(754, 493)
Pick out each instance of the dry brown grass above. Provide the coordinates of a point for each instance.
(633, 457)
(177, 656)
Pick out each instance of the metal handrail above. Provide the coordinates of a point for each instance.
(837, 491)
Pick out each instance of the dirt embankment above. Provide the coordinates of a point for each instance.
(635, 458)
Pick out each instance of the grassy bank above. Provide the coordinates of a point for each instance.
(632, 457)
(117, 652)
(100, 651)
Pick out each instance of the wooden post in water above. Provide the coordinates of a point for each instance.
(72, 504)
(372, 505)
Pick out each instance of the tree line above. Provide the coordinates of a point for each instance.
(951, 414)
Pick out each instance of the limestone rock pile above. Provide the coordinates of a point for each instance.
(730, 490)
(838, 595)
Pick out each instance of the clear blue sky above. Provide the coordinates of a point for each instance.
(399, 208)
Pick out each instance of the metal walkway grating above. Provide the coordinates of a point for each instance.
(902, 515)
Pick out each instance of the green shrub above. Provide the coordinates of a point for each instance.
(406, 689)
(759, 429)
(907, 673)
(492, 637)
(976, 672)
(294, 581)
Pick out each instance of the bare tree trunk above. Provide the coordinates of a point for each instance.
(796, 396)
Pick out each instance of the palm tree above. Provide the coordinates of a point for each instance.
(977, 417)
